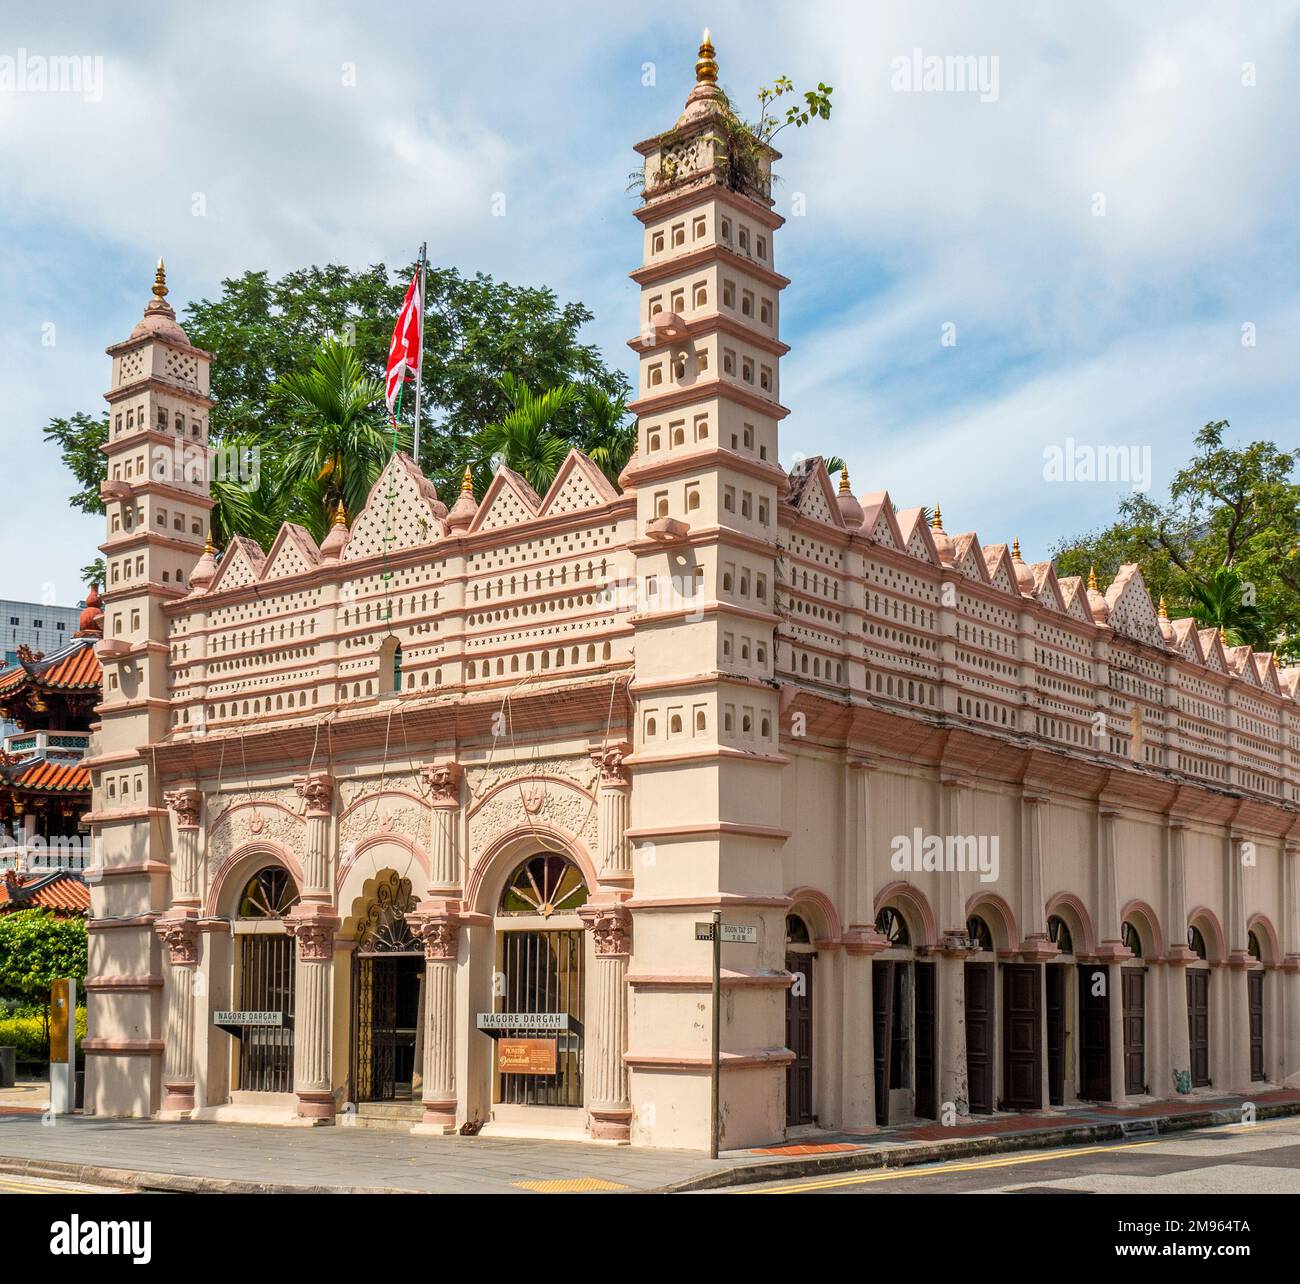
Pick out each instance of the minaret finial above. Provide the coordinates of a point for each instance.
(706, 66)
(936, 522)
(340, 515)
(1163, 610)
(160, 281)
(1092, 580)
(208, 545)
(1015, 550)
(467, 482)
(845, 488)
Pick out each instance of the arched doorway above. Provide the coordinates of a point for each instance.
(539, 986)
(903, 1023)
(265, 981)
(799, 956)
(1198, 1007)
(387, 997)
(1059, 1017)
(1133, 978)
(980, 1016)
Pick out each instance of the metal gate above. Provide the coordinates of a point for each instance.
(266, 985)
(388, 991)
(544, 972)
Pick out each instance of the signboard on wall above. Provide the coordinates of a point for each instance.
(526, 1056)
(493, 1022)
(248, 1018)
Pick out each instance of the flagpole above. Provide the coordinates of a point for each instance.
(419, 370)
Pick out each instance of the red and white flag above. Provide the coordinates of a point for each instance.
(404, 353)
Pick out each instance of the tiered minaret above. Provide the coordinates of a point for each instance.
(706, 804)
(157, 505)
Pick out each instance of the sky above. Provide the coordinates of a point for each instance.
(1087, 243)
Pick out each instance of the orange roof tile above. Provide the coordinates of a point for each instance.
(63, 891)
(75, 668)
(52, 776)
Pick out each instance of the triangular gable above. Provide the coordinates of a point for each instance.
(1188, 641)
(1267, 673)
(399, 513)
(509, 501)
(1132, 612)
(1289, 681)
(917, 539)
(1046, 588)
(1241, 661)
(997, 558)
(968, 557)
(241, 564)
(1075, 599)
(879, 520)
(1212, 650)
(578, 484)
(293, 552)
(816, 497)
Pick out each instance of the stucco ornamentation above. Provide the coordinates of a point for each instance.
(181, 937)
(243, 824)
(315, 937)
(443, 780)
(317, 790)
(438, 932)
(609, 762)
(186, 804)
(560, 805)
(610, 927)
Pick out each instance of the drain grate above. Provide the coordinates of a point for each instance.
(1139, 1128)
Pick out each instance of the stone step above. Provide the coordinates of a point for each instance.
(383, 1116)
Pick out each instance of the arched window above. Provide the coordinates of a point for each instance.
(1131, 938)
(978, 931)
(546, 884)
(891, 925)
(270, 893)
(1058, 932)
(1252, 944)
(796, 930)
(1196, 942)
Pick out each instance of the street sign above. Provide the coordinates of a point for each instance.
(728, 933)
(271, 1019)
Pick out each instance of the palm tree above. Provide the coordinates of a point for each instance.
(339, 444)
(1224, 600)
(607, 436)
(248, 497)
(527, 439)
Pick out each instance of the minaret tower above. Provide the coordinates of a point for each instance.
(157, 507)
(706, 802)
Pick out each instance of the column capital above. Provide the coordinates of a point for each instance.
(313, 926)
(179, 932)
(614, 773)
(437, 926)
(610, 925)
(318, 791)
(186, 804)
(443, 779)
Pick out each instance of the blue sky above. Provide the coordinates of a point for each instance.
(921, 210)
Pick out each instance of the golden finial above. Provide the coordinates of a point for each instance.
(160, 281)
(1092, 581)
(1015, 550)
(706, 67)
(340, 515)
(467, 482)
(845, 488)
(1223, 635)
(936, 522)
(208, 545)
(1163, 610)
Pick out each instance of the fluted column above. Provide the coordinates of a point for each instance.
(610, 925)
(180, 935)
(317, 791)
(1240, 852)
(178, 930)
(1289, 973)
(313, 925)
(440, 932)
(614, 801)
(443, 780)
(1179, 955)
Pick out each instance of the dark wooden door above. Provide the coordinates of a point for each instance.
(1198, 1024)
(799, 1039)
(1094, 1034)
(1022, 1036)
(979, 1037)
(1255, 998)
(882, 1022)
(1135, 1029)
(924, 1039)
(1056, 1035)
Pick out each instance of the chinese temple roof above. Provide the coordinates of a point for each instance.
(62, 890)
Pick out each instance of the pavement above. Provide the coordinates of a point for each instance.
(212, 1157)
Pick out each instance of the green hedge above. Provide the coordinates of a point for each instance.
(28, 1036)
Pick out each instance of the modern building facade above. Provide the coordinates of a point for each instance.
(425, 817)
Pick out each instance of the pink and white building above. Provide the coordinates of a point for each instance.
(414, 827)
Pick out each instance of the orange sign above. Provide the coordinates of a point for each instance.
(526, 1056)
(59, 1018)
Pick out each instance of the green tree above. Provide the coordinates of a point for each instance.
(1230, 508)
(36, 949)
